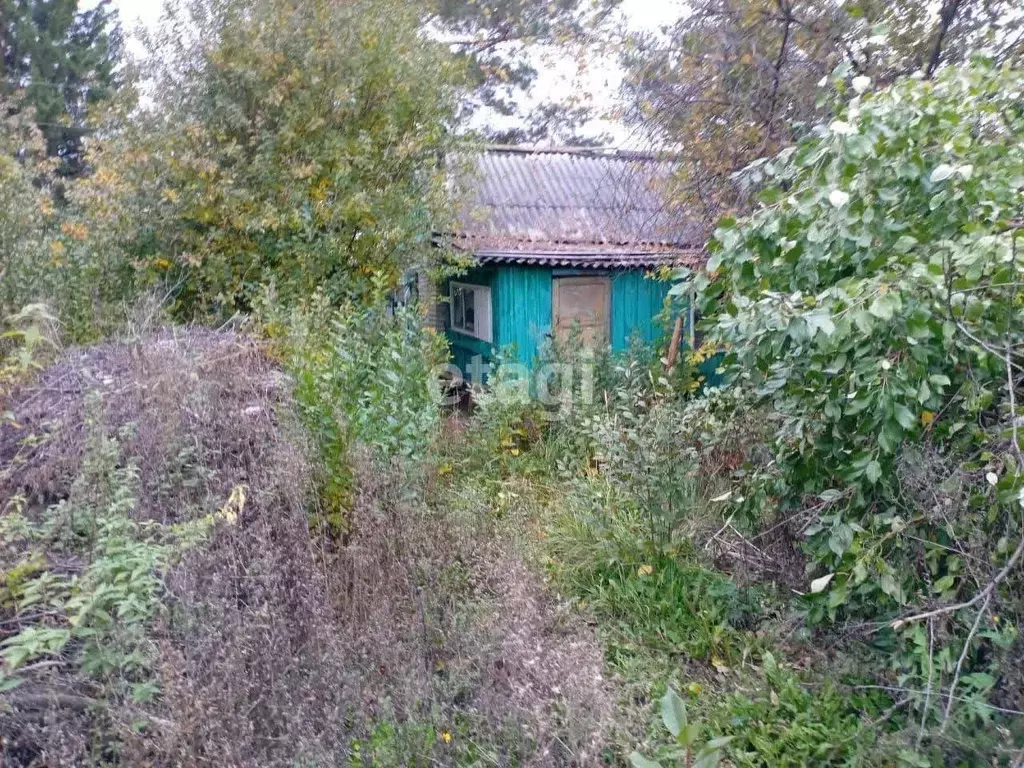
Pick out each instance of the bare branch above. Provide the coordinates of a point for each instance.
(960, 661)
(946, 17)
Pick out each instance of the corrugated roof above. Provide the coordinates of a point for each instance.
(576, 207)
(581, 255)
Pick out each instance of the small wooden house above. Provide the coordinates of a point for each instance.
(562, 238)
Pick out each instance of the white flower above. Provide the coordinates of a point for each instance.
(861, 83)
(838, 198)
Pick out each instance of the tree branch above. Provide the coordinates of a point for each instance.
(984, 594)
(946, 17)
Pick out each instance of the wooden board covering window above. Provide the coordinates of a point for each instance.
(585, 301)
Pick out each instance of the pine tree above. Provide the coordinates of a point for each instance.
(59, 60)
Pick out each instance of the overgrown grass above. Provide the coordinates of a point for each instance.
(627, 551)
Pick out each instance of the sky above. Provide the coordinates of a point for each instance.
(597, 84)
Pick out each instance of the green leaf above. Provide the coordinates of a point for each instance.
(905, 417)
(873, 472)
(819, 584)
(719, 742)
(639, 761)
(915, 759)
(864, 322)
(905, 243)
(689, 735)
(891, 587)
(10, 683)
(820, 320)
(673, 712)
(942, 172)
(840, 540)
(708, 759)
(883, 306)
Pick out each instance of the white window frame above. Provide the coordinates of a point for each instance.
(481, 307)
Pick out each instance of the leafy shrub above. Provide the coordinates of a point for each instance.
(299, 145)
(870, 308)
(786, 724)
(53, 254)
(654, 595)
(361, 376)
(83, 587)
(686, 751)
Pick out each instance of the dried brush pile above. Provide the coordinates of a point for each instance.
(276, 643)
(248, 665)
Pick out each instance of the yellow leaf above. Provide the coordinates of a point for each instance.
(645, 570)
(927, 417)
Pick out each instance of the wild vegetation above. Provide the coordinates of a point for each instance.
(238, 526)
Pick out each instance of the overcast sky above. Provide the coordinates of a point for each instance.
(597, 84)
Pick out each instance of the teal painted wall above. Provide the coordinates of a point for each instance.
(521, 307)
(523, 310)
(636, 301)
(465, 348)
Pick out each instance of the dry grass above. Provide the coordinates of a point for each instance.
(279, 646)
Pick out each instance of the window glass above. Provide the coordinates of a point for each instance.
(470, 310)
(458, 316)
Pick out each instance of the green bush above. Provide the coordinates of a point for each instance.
(85, 583)
(870, 309)
(784, 723)
(364, 377)
(652, 596)
(299, 145)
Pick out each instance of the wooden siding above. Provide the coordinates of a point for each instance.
(465, 347)
(522, 310)
(636, 301)
(521, 303)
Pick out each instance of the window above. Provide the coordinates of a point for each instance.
(471, 310)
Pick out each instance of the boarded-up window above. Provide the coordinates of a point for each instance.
(584, 302)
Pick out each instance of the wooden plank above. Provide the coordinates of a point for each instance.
(583, 301)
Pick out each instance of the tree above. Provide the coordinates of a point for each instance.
(296, 146)
(23, 208)
(500, 42)
(738, 79)
(60, 61)
(871, 307)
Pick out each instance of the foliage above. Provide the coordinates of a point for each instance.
(362, 376)
(55, 255)
(870, 303)
(635, 440)
(58, 62)
(23, 349)
(296, 146)
(739, 81)
(501, 43)
(97, 618)
(23, 207)
(686, 733)
(784, 723)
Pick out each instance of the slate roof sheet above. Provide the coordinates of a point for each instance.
(573, 208)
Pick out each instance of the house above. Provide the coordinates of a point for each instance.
(562, 238)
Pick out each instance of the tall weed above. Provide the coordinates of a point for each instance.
(361, 376)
